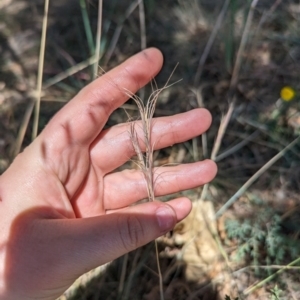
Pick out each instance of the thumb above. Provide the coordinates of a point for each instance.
(94, 241)
(55, 252)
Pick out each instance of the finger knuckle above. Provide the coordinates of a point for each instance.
(131, 233)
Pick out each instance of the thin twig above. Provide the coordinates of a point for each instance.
(40, 71)
(244, 188)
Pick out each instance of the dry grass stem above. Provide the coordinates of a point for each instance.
(195, 149)
(69, 72)
(234, 81)
(238, 146)
(118, 31)
(272, 267)
(146, 112)
(271, 277)
(40, 71)
(266, 15)
(241, 50)
(98, 39)
(123, 274)
(222, 129)
(87, 26)
(137, 265)
(265, 129)
(145, 161)
(199, 98)
(263, 169)
(21, 134)
(143, 36)
(210, 42)
(142, 25)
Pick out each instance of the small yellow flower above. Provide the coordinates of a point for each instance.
(287, 93)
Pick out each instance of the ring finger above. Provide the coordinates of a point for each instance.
(124, 188)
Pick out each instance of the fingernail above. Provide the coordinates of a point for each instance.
(165, 218)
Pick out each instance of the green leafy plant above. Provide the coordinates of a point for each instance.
(275, 293)
(261, 239)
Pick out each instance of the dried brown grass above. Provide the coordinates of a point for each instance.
(145, 161)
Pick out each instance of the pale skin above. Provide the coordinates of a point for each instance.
(63, 211)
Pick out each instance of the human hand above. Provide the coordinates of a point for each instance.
(62, 210)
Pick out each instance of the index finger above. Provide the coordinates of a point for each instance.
(81, 120)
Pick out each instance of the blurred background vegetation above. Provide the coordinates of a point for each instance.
(238, 58)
